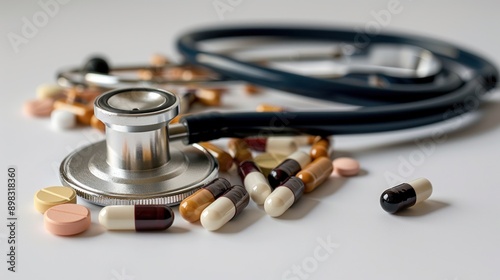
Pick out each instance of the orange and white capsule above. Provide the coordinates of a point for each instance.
(316, 173)
(224, 158)
(320, 148)
(192, 206)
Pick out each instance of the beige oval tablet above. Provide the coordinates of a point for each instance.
(67, 219)
(51, 196)
(268, 161)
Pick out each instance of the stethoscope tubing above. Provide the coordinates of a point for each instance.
(385, 109)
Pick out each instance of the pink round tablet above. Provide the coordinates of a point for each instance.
(39, 107)
(67, 219)
(345, 166)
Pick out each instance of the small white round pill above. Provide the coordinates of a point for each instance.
(62, 119)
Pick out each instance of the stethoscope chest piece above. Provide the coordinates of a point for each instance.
(136, 164)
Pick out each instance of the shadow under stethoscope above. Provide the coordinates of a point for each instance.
(472, 124)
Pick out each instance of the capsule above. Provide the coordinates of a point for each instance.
(225, 160)
(136, 217)
(209, 96)
(320, 148)
(405, 195)
(293, 164)
(225, 208)
(269, 108)
(192, 206)
(97, 124)
(284, 196)
(238, 149)
(315, 173)
(83, 112)
(278, 145)
(254, 181)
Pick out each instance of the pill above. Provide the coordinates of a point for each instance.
(67, 219)
(96, 65)
(239, 150)
(289, 167)
(97, 124)
(136, 217)
(304, 140)
(283, 197)
(158, 60)
(209, 96)
(315, 173)
(346, 167)
(267, 161)
(225, 208)
(279, 145)
(252, 89)
(84, 96)
(62, 119)
(52, 196)
(146, 74)
(255, 182)
(192, 206)
(320, 148)
(51, 91)
(405, 195)
(224, 158)
(39, 107)
(83, 112)
(269, 108)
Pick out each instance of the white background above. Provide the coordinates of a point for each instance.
(454, 235)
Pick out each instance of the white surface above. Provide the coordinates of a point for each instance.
(453, 235)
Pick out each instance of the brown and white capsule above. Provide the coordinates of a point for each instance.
(315, 173)
(225, 208)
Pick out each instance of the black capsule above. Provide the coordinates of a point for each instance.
(96, 65)
(405, 195)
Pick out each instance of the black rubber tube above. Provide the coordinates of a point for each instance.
(398, 107)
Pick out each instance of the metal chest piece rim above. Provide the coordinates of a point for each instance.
(136, 164)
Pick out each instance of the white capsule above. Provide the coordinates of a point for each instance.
(255, 182)
(284, 196)
(301, 157)
(225, 208)
(257, 186)
(217, 214)
(281, 145)
(423, 189)
(279, 201)
(117, 217)
(62, 119)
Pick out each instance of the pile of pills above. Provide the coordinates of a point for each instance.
(275, 171)
(276, 177)
(68, 107)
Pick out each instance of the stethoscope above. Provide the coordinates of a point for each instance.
(397, 81)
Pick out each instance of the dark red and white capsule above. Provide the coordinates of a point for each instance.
(136, 217)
